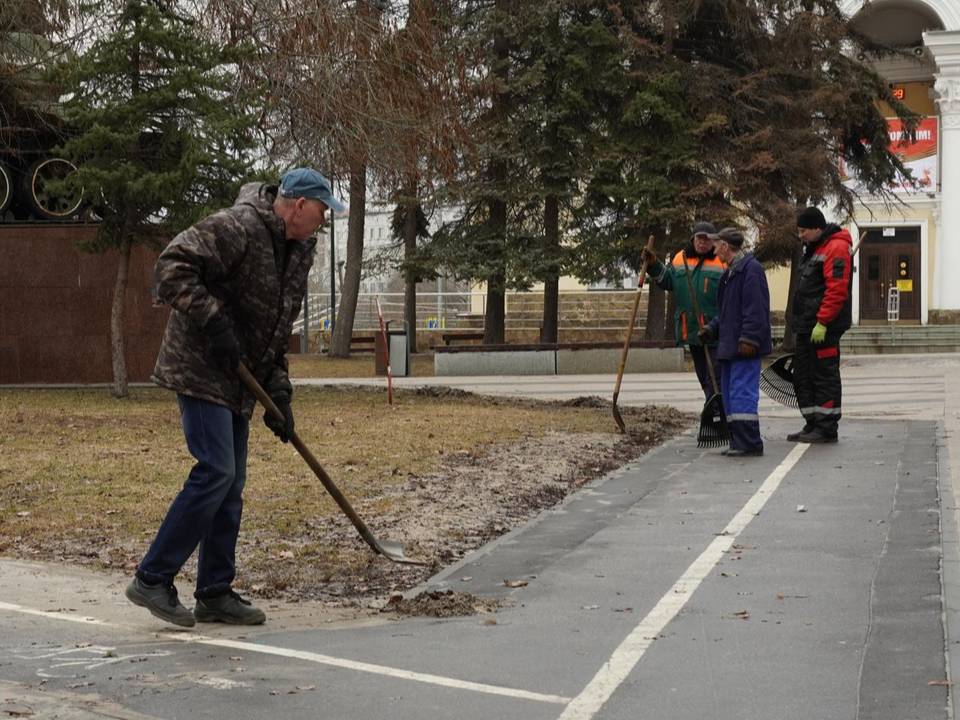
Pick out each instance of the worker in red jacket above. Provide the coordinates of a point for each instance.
(821, 314)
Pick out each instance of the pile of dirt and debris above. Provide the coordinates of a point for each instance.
(442, 604)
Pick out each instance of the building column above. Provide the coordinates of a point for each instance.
(945, 48)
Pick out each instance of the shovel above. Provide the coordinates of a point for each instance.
(388, 548)
(626, 344)
(714, 430)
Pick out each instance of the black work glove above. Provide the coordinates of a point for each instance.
(283, 429)
(648, 256)
(747, 350)
(703, 335)
(222, 343)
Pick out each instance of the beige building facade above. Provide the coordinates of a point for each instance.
(914, 244)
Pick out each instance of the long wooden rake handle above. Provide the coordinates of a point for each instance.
(626, 344)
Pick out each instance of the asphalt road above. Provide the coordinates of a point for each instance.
(814, 582)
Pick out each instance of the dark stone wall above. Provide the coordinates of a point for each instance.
(55, 308)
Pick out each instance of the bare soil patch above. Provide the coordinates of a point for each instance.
(85, 480)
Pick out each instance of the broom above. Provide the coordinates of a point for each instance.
(777, 380)
(714, 431)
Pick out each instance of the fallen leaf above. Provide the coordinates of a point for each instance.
(801, 508)
(781, 596)
(466, 578)
(20, 713)
(23, 514)
(236, 657)
(624, 610)
(488, 621)
(591, 607)
(742, 615)
(515, 583)
(306, 688)
(287, 554)
(940, 682)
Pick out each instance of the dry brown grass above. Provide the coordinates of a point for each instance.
(355, 366)
(86, 478)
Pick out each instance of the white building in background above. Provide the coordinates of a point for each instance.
(915, 247)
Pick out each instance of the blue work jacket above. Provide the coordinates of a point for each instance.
(744, 300)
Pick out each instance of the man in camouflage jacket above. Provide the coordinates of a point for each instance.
(235, 282)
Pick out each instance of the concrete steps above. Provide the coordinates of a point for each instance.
(901, 339)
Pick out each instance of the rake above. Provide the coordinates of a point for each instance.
(776, 381)
(626, 345)
(714, 431)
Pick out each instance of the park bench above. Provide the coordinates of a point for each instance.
(360, 344)
(461, 336)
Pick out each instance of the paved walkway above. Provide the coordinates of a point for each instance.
(803, 584)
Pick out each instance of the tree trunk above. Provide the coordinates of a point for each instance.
(789, 339)
(656, 310)
(494, 321)
(120, 389)
(549, 327)
(494, 325)
(410, 281)
(350, 283)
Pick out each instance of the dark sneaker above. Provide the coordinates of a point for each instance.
(161, 600)
(229, 608)
(816, 438)
(793, 437)
(742, 453)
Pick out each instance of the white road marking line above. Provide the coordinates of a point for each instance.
(377, 669)
(53, 614)
(314, 657)
(631, 650)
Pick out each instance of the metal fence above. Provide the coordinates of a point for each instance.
(605, 310)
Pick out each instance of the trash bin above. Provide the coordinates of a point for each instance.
(399, 353)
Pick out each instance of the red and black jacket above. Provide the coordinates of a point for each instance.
(823, 293)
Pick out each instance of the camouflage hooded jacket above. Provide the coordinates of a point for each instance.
(235, 263)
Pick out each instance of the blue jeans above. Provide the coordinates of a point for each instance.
(741, 401)
(207, 510)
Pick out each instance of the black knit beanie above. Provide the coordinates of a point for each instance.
(811, 218)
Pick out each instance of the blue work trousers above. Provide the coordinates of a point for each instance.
(207, 510)
(741, 399)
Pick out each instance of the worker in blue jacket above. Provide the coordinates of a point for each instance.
(743, 331)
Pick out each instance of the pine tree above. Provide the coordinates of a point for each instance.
(159, 138)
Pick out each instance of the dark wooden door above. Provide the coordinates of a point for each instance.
(890, 257)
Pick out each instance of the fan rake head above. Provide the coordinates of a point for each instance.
(776, 382)
(714, 431)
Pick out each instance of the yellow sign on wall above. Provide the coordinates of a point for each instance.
(905, 285)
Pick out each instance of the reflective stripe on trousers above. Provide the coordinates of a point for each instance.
(741, 400)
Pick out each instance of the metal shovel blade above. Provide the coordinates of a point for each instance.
(388, 548)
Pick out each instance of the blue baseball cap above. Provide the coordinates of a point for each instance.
(308, 183)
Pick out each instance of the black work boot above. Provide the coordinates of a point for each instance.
(161, 600)
(229, 608)
(816, 437)
(793, 437)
